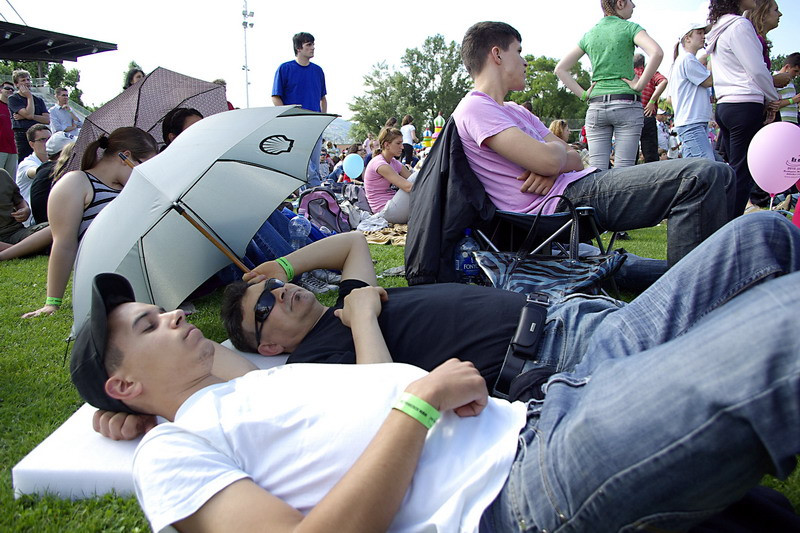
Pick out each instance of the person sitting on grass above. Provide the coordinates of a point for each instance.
(76, 199)
(665, 420)
(386, 181)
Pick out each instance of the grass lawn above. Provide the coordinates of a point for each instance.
(36, 395)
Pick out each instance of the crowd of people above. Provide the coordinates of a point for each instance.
(655, 414)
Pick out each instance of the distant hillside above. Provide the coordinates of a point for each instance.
(338, 132)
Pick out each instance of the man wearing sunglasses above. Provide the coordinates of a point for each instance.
(646, 433)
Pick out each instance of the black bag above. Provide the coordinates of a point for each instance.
(555, 276)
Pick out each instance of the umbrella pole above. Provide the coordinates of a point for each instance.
(222, 248)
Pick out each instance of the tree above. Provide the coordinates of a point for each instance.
(549, 99)
(430, 79)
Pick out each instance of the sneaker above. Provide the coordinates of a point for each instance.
(327, 276)
(315, 285)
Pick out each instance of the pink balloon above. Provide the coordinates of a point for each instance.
(774, 156)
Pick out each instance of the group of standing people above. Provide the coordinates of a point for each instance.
(623, 96)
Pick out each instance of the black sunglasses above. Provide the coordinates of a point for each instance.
(265, 304)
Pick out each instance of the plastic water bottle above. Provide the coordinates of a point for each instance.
(325, 231)
(299, 228)
(467, 270)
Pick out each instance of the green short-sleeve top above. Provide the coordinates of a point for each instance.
(609, 45)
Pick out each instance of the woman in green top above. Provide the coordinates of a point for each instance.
(615, 107)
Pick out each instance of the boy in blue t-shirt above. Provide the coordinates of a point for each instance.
(301, 82)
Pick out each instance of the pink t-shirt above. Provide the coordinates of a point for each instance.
(379, 190)
(479, 117)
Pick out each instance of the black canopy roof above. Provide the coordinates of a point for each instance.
(23, 43)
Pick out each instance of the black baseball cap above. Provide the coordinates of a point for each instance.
(87, 365)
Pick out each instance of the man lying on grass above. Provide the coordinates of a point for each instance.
(427, 325)
(657, 430)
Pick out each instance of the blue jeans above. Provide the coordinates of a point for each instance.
(313, 165)
(683, 400)
(694, 194)
(620, 119)
(695, 141)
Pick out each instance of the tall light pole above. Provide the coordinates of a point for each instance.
(246, 14)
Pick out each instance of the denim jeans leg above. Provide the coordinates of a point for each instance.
(694, 138)
(598, 135)
(627, 118)
(664, 438)
(313, 165)
(745, 252)
(691, 193)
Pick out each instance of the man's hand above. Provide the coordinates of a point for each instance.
(270, 269)
(360, 303)
(536, 183)
(17, 116)
(22, 213)
(122, 426)
(455, 385)
(24, 90)
(650, 109)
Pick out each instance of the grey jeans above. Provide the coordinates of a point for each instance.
(620, 119)
(694, 194)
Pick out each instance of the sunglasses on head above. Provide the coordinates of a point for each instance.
(264, 305)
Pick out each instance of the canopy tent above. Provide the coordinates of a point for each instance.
(24, 43)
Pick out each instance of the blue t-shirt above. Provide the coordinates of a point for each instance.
(300, 85)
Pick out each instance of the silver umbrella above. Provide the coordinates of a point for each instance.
(226, 173)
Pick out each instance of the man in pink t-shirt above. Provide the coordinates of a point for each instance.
(521, 163)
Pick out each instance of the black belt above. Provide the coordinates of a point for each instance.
(610, 97)
(525, 343)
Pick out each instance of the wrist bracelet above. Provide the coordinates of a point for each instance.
(583, 96)
(418, 409)
(287, 267)
(53, 301)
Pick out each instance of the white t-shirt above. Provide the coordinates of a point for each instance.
(691, 101)
(24, 182)
(295, 430)
(408, 133)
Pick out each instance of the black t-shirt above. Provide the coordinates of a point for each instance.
(426, 325)
(40, 191)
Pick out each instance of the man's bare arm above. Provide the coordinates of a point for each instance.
(368, 497)
(347, 252)
(545, 158)
(277, 100)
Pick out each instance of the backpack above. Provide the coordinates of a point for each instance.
(321, 208)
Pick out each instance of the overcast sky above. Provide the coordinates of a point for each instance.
(206, 39)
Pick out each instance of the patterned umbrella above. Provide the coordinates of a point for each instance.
(145, 104)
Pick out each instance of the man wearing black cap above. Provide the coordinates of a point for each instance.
(671, 431)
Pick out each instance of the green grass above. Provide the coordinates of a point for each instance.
(36, 395)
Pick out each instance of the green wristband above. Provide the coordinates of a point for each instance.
(583, 96)
(287, 267)
(53, 301)
(418, 409)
